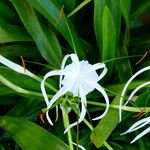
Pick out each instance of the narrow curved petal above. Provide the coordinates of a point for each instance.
(138, 124)
(100, 89)
(61, 92)
(62, 67)
(15, 67)
(103, 73)
(141, 134)
(126, 86)
(81, 147)
(100, 66)
(49, 74)
(48, 118)
(97, 66)
(134, 128)
(74, 59)
(136, 90)
(83, 111)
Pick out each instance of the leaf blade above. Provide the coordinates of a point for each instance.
(29, 135)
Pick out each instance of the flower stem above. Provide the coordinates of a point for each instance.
(125, 108)
(66, 123)
(108, 146)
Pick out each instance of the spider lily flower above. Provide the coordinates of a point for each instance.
(139, 124)
(79, 78)
(134, 92)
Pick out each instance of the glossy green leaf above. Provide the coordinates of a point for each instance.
(4, 90)
(30, 110)
(107, 28)
(99, 6)
(27, 51)
(125, 6)
(49, 10)
(124, 67)
(30, 136)
(68, 5)
(44, 38)
(109, 37)
(6, 13)
(11, 33)
(105, 127)
(19, 79)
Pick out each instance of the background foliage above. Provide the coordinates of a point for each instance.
(42, 32)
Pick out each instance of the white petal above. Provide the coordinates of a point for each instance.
(126, 86)
(102, 74)
(141, 134)
(83, 111)
(49, 74)
(100, 89)
(62, 67)
(136, 90)
(98, 66)
(61, 92)
(48, 118)
(139, 124)
(134, 128)
(15, 67)
(81, 147)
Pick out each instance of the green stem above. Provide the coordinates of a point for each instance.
(108, 146)
(125, 108)
(79, 7)
(66, 123)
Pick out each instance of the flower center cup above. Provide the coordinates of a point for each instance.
(82, 75)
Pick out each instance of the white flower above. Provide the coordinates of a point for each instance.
(134, 92)
(80, 78)
(139, 124)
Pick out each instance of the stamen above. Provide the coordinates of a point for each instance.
(23, 64)
(60, 15)
(143, 57)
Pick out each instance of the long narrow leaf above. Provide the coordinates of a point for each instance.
(30, 136)
(49, 10)
(45, 39)
(102, 131)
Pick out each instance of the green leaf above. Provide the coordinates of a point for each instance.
(49, 10)
(27, 51)
(109, 36)
(107, 29)
(99, 6)
(19, 79)
(141, 7)
(6, 13)
(12, 33)
(105, 127)
(44, 38)
(125, 6)
(31, 136)
(123, 66)
(30, 110)
(7, 100)
(4, 90)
